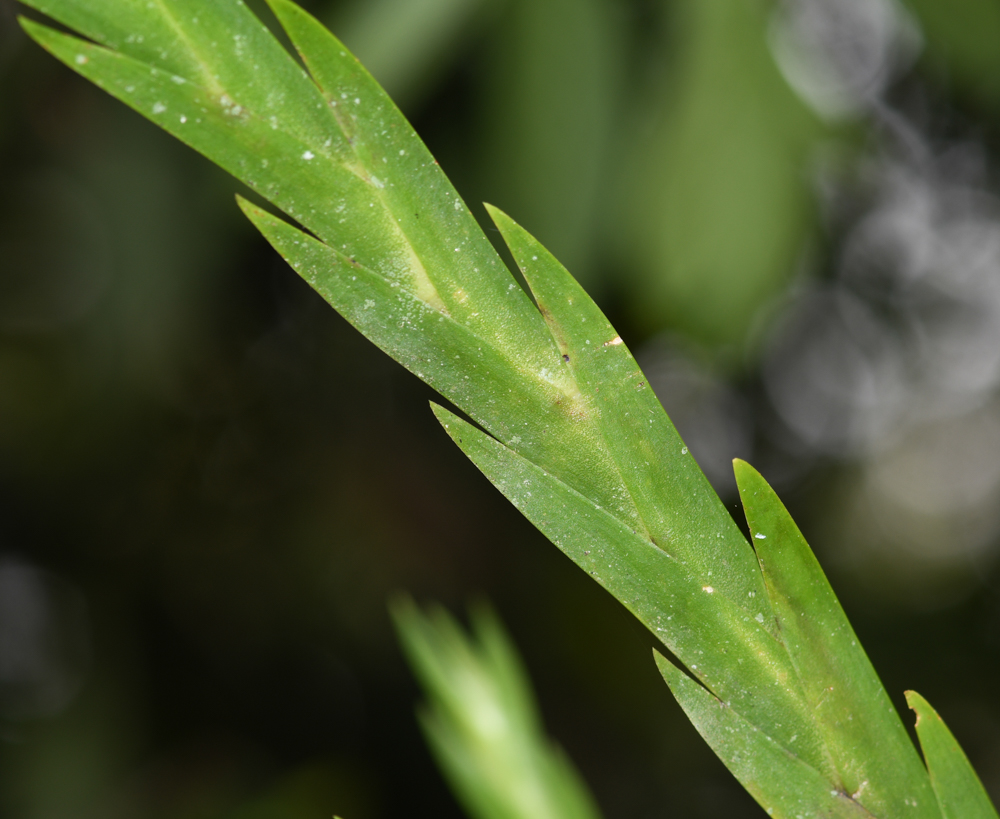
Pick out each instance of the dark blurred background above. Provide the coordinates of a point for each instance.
(210, 485)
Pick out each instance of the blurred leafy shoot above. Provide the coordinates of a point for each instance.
(481, 720)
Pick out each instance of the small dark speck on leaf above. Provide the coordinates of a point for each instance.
(566, 359)
(586, 552)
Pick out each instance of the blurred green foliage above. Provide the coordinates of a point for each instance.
(961, 51)
(409, 44)
(481, 720)
(716, 204)
(550, 122)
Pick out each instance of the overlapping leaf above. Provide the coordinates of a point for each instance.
(776, 777)
(959, 792)
(874, 760)
(336, 155)
(808, 693)
(575, 437)
(339, 158)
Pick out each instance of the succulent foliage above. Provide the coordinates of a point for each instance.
(565, 424)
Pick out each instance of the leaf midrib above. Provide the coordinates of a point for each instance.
(214, 89)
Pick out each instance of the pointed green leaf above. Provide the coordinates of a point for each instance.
(663, 480)
(340, 158)
(580, 444)
(723, 645)
(874, 757)
(514, 404)
(335, 154)
(430, 343)
(785, 785)
(959, 792)
(446, 245)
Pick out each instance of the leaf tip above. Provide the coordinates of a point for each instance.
(445, 417)
(747, 478)
(743, 469)
(496, 214)
(918, 705)
(260, 218)
(504, 223)
(667, 669)
(282, 9)
(248, 207)
(39, 32)
(31, 26)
